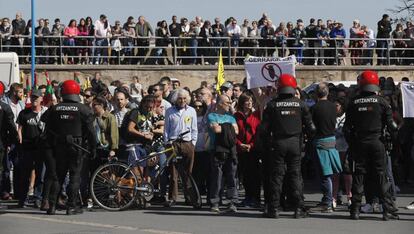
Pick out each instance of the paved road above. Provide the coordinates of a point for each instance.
(182, 220)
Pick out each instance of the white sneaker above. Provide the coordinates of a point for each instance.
(367, 208)
(334, 204)
(410, 207)
(96, 63)
(90, 204)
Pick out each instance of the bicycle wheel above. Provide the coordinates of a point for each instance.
(114, 186)
(190, 189)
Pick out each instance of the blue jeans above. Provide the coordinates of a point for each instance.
(164, 176)
(226, 168)
(193, 50)
(101, 48)
(326, 186)
(382, 47)
(299, 54)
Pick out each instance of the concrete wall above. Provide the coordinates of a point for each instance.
(192, 76)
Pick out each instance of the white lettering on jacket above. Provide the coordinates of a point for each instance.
(365, 100)
(287, 104)
(67, 108)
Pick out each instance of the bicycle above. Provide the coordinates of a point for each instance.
(115, 186)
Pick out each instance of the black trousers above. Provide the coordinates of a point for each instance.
(51, 179)
(142, 52)
(370, 162)
(31, 158)
(201, 171)
(89, 166)
(285, 159)
(1, 166)
(69, 159)
(250, 174)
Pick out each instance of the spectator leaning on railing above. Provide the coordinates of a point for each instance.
(384, 30)
(255, 40)
(409, 34)
(6, 30)
(18, 31)
(70, 32)
(55, 42)
(101, 31)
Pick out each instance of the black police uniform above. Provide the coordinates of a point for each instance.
(68, 124)
(8, 132)
(366, 117)
(283, 118)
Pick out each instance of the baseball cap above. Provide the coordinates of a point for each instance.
(36, 93)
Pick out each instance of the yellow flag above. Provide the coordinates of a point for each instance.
(87, 84)
(22, 77)
(220, 73)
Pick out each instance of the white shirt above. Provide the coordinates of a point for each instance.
(371, 42)
(165, 105)
(100, 30)
(233, 30)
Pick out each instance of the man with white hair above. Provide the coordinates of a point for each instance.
(180, 118)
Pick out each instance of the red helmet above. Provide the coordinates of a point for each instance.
(70, 91)
(368, 81)
(2, 88)
(286, 84)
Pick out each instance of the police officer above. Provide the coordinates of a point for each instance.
(8, 131)
(367, 115)
(283, 118)
(69, 123)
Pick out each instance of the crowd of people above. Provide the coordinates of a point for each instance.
(235, 139)
(186, 41)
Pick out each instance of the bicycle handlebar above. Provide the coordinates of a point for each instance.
(180, 137)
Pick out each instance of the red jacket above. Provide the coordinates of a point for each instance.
(247, 128)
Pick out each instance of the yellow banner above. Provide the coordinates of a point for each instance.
(220, 73)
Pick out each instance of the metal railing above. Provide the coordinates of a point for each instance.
(199, 50)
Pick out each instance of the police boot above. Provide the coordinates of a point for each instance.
(387, 215)
(74, 211)
(300, 213)
(271, 213)
(51, 210)
(354, 216)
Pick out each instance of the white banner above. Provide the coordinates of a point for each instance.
(262, 72)
(407, 90)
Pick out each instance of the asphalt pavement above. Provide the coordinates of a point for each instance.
(182, 219)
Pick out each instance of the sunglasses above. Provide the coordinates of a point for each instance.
(198, 106)
(87, 96)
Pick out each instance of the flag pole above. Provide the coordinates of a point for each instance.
(33, 67)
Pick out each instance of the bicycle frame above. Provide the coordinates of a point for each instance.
(159, 170)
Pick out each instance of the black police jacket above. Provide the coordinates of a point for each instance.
(366, 117)
(70, 119)
(285, 116)
(7, 127)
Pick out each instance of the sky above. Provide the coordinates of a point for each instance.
(369, 12)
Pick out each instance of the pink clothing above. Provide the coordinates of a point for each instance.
(71, 32)
(83, 31)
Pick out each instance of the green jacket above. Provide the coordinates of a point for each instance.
(143, 30)
(107, 134)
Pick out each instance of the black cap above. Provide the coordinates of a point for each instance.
(36, 93)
